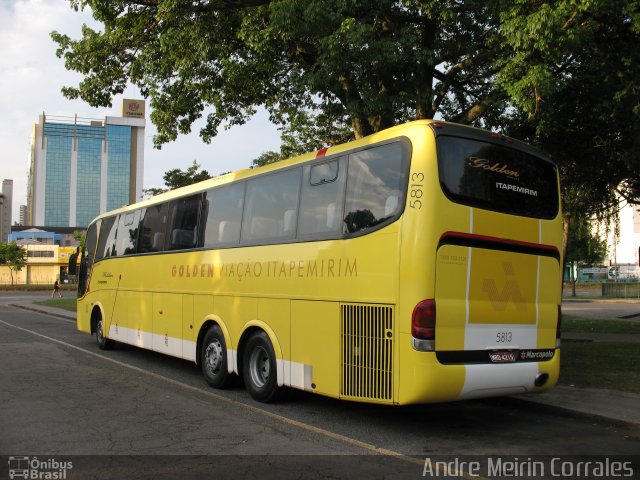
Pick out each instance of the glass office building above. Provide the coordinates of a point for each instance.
(83, 167)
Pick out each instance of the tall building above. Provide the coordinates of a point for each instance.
(23, 215)
(6, 205)
(83, 167)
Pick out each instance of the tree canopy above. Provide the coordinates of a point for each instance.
(561, 74)
(589, 118)
(584, 247)
(176, 178)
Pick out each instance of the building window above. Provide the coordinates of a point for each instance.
(40, 253)
(88, 184)
(57, 183)
(118, 165)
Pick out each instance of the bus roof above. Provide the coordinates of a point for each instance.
(438, 126)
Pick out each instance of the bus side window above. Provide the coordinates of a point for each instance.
(184, 213)
(376, 185)
(272, 206)
(128, 227)
(153, 229)
(322, 197)
(224, 214)
(107, 239)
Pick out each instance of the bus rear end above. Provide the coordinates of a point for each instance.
(485, 315)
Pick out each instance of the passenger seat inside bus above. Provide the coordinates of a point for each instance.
(158, 238)
(264, 227)
(289, 222)
(332, 216)
(181, 239)
(228, 231)
(391, 205)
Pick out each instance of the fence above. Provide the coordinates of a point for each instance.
(621, 289)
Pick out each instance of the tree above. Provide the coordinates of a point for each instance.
(176, 178)
(13, 256)
(588, 117)
(583, 247)
(80, 237)
(306, 133)
(372, 63)
(561, 74)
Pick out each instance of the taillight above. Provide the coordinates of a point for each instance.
(423, 320)
(558, 327)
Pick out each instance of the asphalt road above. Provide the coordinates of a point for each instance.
(60, 395)
(607, 310)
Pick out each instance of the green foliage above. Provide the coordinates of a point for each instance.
(574, 78)
(13, 256)
(307, 132)
(69, 304)
(591, 325)
(584, 247)
(79, 236)
(612, 365)
(561, 74)
(176, 178)
(372, 63)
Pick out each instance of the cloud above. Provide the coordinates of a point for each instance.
(31, 77)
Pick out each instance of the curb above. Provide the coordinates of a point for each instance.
(530, 402)
(601, 300)
(43, 311)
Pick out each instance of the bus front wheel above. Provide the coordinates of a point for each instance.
(259, 368)
(103, 342)
(213, 358)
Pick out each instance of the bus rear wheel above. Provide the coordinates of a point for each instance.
(103, 342)
(213, 358)
(259, 368)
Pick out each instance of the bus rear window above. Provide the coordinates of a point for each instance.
(496, 177)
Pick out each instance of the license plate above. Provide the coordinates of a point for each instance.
(502, 357)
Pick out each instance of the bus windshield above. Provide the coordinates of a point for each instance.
(497, 178)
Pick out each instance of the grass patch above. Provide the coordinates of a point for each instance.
(601, 365)
(590, 325)
(65, 303)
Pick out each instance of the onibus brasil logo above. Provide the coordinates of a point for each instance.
(33, 468)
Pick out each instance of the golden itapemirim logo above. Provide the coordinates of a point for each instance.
(485, 164)
(324, 268)
(510, 291)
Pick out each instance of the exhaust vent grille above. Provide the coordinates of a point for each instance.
(367, 352)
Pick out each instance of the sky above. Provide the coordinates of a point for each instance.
(31, 77)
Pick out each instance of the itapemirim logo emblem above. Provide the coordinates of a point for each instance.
(33, 468)
(510, 291)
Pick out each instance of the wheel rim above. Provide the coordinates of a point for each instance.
(213, 357)
(259, 367)
(99, 331)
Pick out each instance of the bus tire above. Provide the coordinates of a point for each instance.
(213, 358)
(103, 342)
(259, 369)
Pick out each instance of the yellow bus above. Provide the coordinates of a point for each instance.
(419, 264)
